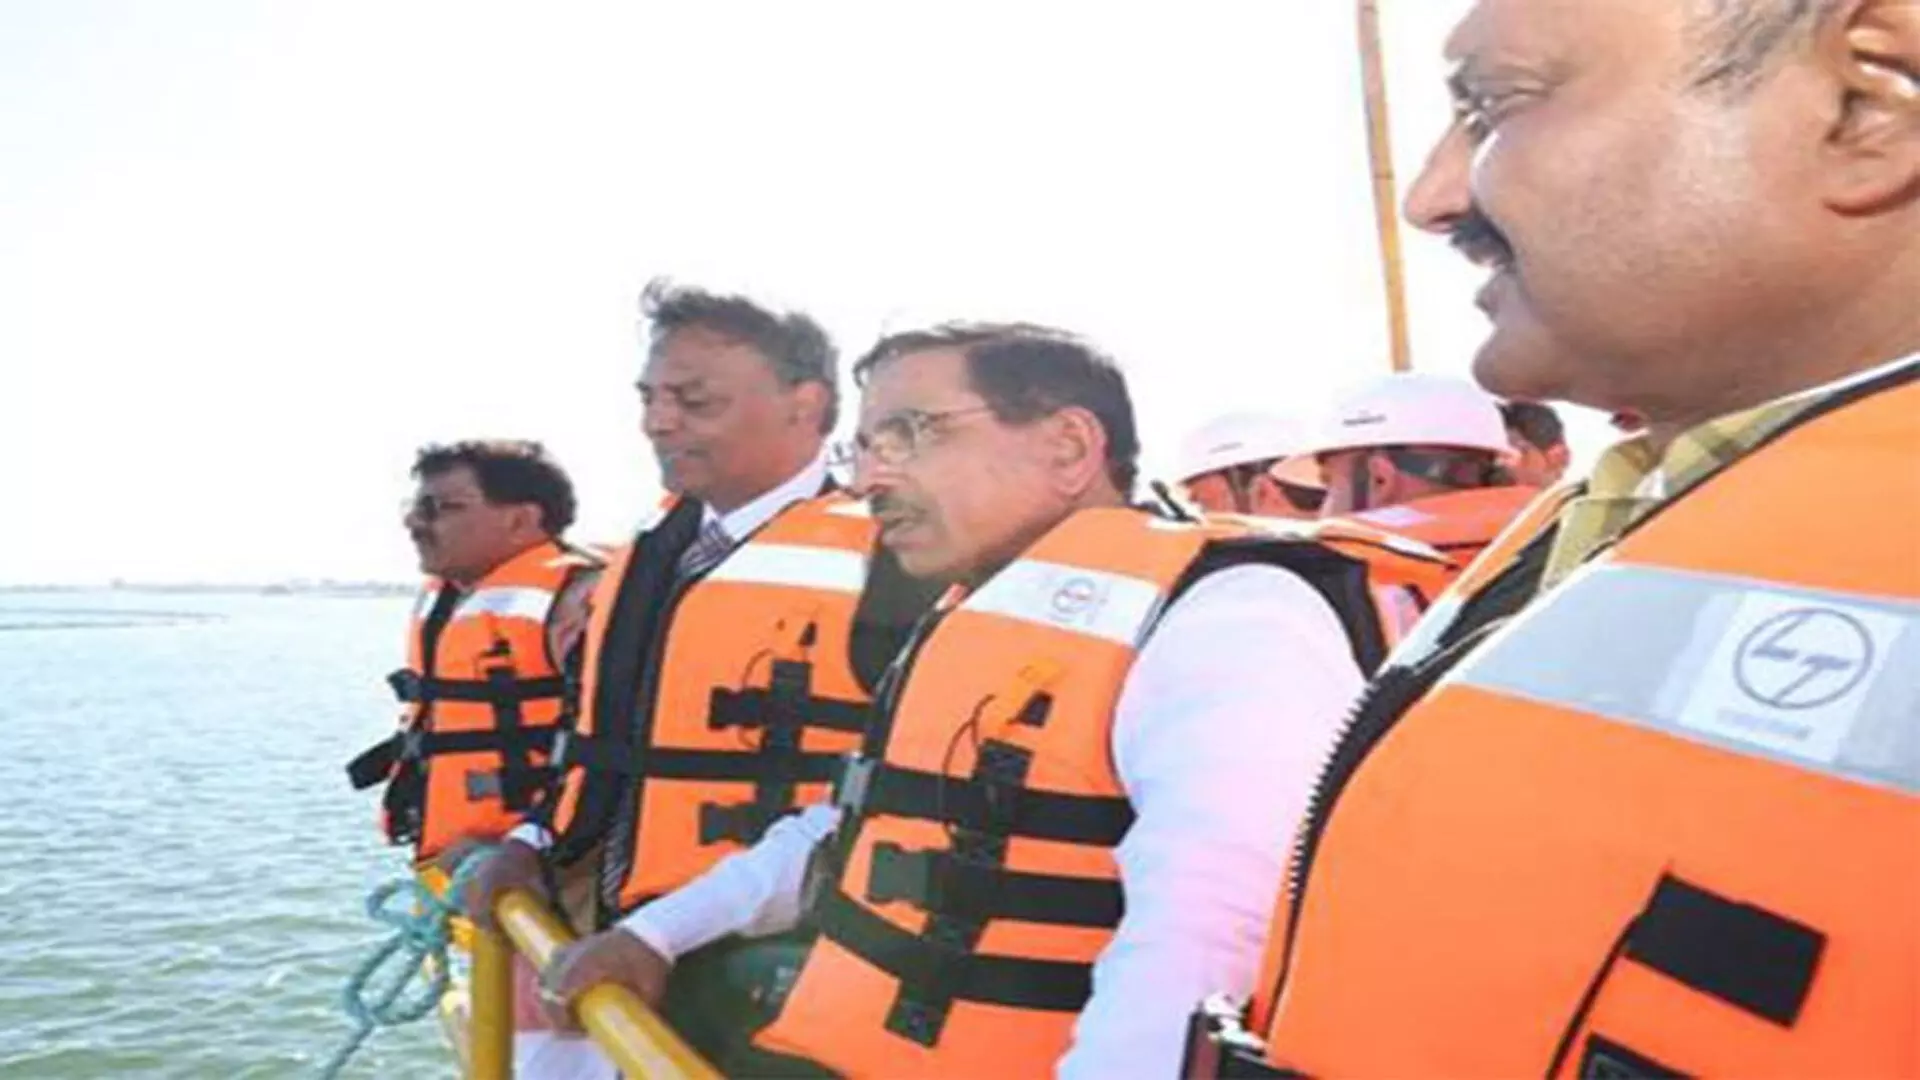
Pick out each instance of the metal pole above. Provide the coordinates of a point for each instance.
(490, 1024)
(1386, 196)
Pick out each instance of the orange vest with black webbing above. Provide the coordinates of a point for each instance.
(1663, 819)
(481, 697)
(712, 707)
(972, 883)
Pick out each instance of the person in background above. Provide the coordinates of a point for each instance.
(1420, 455)
(492, 647)
(1539, 442)
(488, 643)
(1226, 467)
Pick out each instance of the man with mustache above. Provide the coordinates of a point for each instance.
(1069, 811)
(502, 610)
(1641, 797)
(732, 646)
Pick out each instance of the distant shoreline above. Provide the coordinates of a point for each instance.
(271, 588)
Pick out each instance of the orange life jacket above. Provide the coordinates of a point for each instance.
(1459, 524)
(1665, 819)
(1406, 574)
(481, 696)
(972, 883)
(711, 708)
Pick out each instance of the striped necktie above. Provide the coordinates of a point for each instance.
(705, 552)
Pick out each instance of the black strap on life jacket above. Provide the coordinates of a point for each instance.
(943, 881)
(1037, 815)
(375, 764)
(517, 783)
(1342, 581)
(967, 884)
(923, 960)
(612, 758)
(781, 712)
(412, 688)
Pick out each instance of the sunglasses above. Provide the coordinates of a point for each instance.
(428, 508)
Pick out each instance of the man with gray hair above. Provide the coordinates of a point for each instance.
(733, 645)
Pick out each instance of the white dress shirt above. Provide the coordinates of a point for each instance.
(738, 523)
(1218, 737)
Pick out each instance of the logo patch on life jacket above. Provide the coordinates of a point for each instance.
(1791, 676)
(1098, 603)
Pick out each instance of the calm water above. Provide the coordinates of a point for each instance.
(181, 861)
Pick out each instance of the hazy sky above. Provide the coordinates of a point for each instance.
(253, 254)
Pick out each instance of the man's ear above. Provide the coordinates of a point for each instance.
(525, 519)
(810, 401)
(1076, 448)
(1383, 479)
(1872, 50)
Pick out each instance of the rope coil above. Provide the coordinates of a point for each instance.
(376, 993)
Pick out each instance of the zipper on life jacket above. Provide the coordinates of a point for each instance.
(1376, 712)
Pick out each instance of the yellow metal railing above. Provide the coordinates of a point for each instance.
(630, 1033)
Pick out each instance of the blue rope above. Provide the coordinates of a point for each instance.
(422, 930)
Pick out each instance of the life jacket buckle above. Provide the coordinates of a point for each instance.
(406, 685)
(482, 784)
(1220, 1046)
(933, 881)
(851, 787)
(739, 823)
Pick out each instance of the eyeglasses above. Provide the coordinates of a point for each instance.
(429, 508)
(899, 438)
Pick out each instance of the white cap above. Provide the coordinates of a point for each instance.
(1238, 439)
(1413, 409)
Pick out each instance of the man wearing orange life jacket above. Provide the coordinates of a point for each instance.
(733, 644)
(487, 648)
(1642, 796)
(1107, 704)
(1419, 455)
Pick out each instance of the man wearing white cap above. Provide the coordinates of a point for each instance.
(1420, 455)
(1226, 467)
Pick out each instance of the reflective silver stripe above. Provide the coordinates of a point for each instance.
(423, 603)
(1098, 603)
(832, 569)
(506, 601)
(1423, 640)
(1393, 517)
(1820, 680)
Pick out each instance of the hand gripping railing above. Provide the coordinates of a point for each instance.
(630, 1033)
